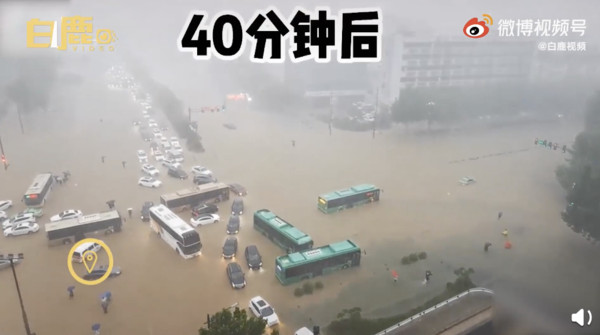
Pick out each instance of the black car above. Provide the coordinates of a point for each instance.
(253, 257)
(230, 247)
(146, 211)
(238, 189)
(203, 209)
(178, 173)
(236, 275)
(204, 179)
(101, 271)
(233, 226)
(237, 206)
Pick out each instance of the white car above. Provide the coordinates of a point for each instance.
(176, 147)
(467, 181)
(261, 309)
(146, 116)
(158, 135)
(22, 229)
(158, 156)
(68, 214)
(5, 204)
(142, 156)
(205, 219)
(149, 182)
(165, 145)
(150, 169)
(200, 170)
(170, 163)
(18, 219)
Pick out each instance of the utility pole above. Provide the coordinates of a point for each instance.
(190, 114)
(11, 258)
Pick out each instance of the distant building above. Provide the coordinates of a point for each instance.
(410, 61)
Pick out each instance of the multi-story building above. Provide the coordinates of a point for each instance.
(409, 61)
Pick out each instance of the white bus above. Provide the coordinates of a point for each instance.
(178, 234)
(39, 190)
(73, 230)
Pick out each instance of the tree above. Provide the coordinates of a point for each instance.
(237, 323)
(581, 176)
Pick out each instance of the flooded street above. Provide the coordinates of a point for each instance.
(549, 273)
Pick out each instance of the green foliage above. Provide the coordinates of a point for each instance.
(308, 288)
(298, 291)
(319, 285)
(350, 322)
(581, 176)
(236, 323)
(414, 257)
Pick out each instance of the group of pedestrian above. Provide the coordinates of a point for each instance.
(105, 299)
(549, 144)
(102, 159)
(507, 244)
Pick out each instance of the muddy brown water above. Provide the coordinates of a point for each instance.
(549, 273)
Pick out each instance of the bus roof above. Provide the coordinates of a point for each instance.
(191, 191)
(327, 251)
(349, 191)
(283, 226)
(86, 219)
(171, 219)
(99, 217)
(38, 183)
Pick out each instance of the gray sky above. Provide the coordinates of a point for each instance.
(149, 33)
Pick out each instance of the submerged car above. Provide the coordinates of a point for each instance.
(261, 309)
(100, 271)
(233, 226)
(237, 206)
(5, 204)
(150, 169)
(230, 247)
(203, 209)
(68, 214)
(18, 219)
(149, 182)
(36, 212)
(201, 170)
(22, 229)
(466, 180)
(202, 220)
(142, 156)
(236, 275)
(238, 189)
(253, 257)
(178, 173)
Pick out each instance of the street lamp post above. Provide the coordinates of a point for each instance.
(11, 258)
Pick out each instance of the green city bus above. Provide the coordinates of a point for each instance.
(282, 233)
(298, 266)
(348, 198)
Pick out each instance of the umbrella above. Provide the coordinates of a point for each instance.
(394, 274)
(70, 288)
(96, 327)
(106, 295)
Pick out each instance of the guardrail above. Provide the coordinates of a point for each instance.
(430, 309)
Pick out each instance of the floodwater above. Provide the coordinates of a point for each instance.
(549, 273)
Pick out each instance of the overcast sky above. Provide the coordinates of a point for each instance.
(148, 30)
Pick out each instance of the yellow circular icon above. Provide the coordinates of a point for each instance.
(90, 257)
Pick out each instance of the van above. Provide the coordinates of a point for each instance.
(83, 248)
